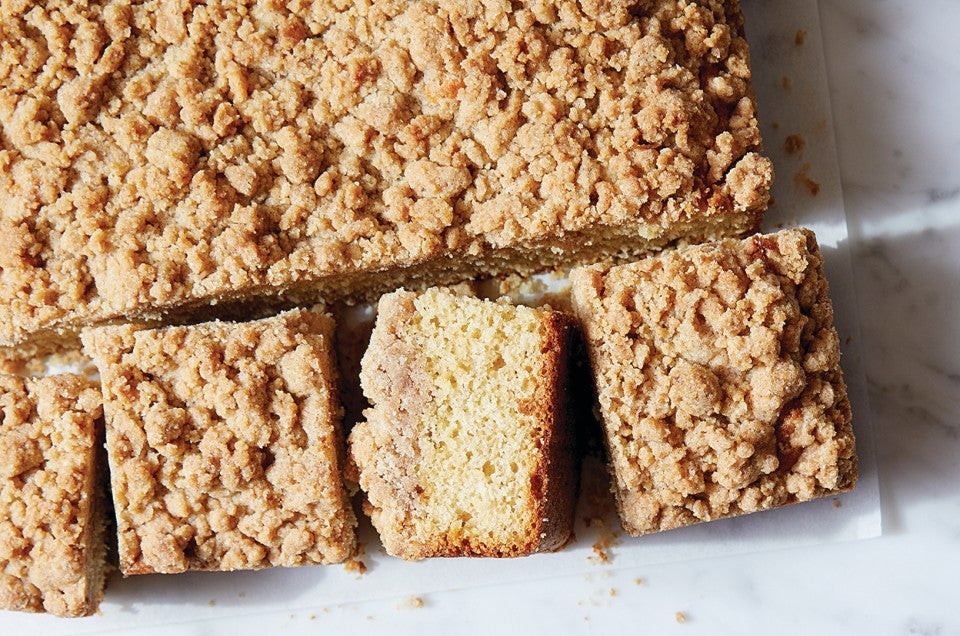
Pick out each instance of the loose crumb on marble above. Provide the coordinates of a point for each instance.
(613, 591)
(413, 602)
(680, 617)
(794, 144)
(800, 38)
(639, 581)
(212, 602)
(836, 503)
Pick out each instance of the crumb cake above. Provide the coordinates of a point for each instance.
(467, 448)
(52, 553)
(224, 444)
(161, 157)
(718, 374)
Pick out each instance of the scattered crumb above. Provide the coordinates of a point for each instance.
(606, 539)
(775, 125)
(680, 617)
(414, 602)
(794, 144)
(803, 179)
(325, 610)
(241, 594)
(786, 82)
(212, 602)
(848, 340)
(312, 617)
(836, 503)
(355, 566)
(369, 617)
(638, 581)
(613, 591)
(800, 37)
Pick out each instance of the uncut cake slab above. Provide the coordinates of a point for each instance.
(807, 192)
(159, 158)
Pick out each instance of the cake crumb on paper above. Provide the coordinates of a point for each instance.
(794, 144)
(802, 179)
(355, 566)
(606, 539)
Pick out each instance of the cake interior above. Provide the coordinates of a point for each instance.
(472, 482)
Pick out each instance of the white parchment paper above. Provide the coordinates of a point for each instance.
(791, 85)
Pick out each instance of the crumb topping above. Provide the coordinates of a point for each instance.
(48, 435)
(160, 153)
(719, 380)
(224, 444)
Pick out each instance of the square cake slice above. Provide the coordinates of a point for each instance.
(224, 444)
(467, 448)
(718, 374)
(52, 553)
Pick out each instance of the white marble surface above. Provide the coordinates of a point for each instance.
(894, 73)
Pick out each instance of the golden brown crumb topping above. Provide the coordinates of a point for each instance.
(48, 435)
(718, 373)
(163, 152)
(224, 444)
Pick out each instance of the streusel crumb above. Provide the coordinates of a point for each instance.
(718, 373)
(51, 514)
(158, 156)
(224, 444)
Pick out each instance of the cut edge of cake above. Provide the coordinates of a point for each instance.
(395, 450)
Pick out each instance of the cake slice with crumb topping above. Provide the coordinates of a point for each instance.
(224, 444)
(718, 373)
(467, 448)
(52, 552)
